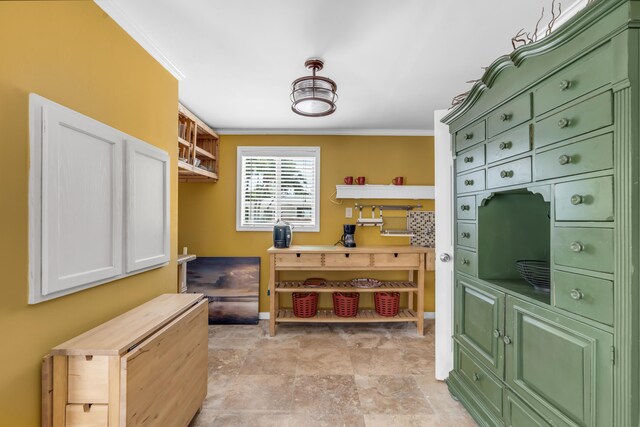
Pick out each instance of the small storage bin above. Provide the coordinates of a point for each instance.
(345, 304)
(305, 304)
(387, 303)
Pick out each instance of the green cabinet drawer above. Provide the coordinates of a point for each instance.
(480, 380)
(470, 182)
(466, 262)
(519, 414)
(509, 115)
(588, 248)
(466, 207)
(470, 136)
(583, 76)
(584, 295)
(585, 200)
(466, 235)
(512, 173)
(562, 367)
(510, 144)
(479, 318)
(589, 155)
(592, 114)
(470, 159)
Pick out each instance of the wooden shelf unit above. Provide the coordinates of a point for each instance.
(413, 259)
(197, 142)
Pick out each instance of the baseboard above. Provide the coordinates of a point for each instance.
(264, 315)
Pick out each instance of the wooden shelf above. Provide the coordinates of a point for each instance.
(328, 316)
(339, 286)
(203, 153)
(184, 142)
(197, 142)
(399, 192)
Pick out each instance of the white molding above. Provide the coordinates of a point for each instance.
(566, 14)
(113, 9)
(368, 191)
(264, 315)
(353, 132)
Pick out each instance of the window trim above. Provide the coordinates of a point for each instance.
(276, 151)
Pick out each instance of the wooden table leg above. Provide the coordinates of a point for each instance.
(272, 296)
(410, 303)
(420, 311)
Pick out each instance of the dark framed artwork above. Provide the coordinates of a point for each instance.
(231, 284)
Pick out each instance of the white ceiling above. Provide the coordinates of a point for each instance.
(394, 61)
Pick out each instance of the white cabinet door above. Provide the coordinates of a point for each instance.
(147, 205)
(81, 200)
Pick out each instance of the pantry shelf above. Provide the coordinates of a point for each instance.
(398, 192)
(363, 316)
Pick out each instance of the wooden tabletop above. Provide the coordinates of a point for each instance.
(116, 336)
(398, 249)
(185, 258)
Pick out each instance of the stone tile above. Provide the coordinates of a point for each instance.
(250, 420)
(259, 392)
(366, 339)
(270, 361)
(378, 420)
(226, 361)
(322, 340)
(326, 420)
(323, 361)
(217, 389)
(203, 419)
(328, 394)
(232, 343)
(384, 394)
(279, 341)
(389, 361)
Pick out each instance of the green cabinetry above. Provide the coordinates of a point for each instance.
(547, 168)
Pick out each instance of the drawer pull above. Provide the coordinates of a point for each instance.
(565, 84)
(468, 136)
(504, 117)
(468, 182)
(346, 255)
(576, 294)
(505, 145)
(576, 247)
(465, 235)
(506, 174)
(395, 255)
(577, 199)
(298, 255)
(468, 159)
(506, 340)
(476, 376)
(465, 207)
(497, 333)
(465, 261)
(564, 159)
(563, 123)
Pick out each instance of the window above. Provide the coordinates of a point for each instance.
(278, 183)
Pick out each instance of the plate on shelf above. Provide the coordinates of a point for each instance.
(314, 282)
(365, 283)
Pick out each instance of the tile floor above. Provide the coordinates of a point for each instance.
(363, 375)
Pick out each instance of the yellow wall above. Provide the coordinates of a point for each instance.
(208, 211)
(74, 54)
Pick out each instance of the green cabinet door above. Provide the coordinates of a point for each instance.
(518, 414)
(479, 318)
(559, 366)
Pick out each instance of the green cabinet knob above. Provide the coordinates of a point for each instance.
(496, 333)
(468, 182)
(476, 376)
(465, 261)
(565, 84)
(563, 123)
(564, 159)
(504, 117)
(576, 294)
(505, 145)
(465, 235)
(468, 159)
(506, 340)
(506, 174)
(468, 135)
(577, 199)
(576, 247)
(465, 207)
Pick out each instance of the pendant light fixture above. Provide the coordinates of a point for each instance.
(313, 96)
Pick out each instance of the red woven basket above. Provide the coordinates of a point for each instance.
(345, 304)
(387, 303)
(305, 304)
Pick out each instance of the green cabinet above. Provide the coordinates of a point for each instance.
(470, 182)
(470, 136)
(587, 296)
(466, 235)
(470, 159)
(509, 115)
(583, 247)
(512, 173)
(519, 414)
(510, 144)
(585, 200)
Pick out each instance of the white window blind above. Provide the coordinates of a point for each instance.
(278, 183)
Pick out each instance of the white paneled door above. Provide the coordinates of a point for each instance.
(444, 247)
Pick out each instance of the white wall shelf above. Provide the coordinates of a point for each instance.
(400, 192)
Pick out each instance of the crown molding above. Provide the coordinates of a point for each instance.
(113, 9)
(353, 132)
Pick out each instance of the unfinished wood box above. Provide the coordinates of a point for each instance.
(147, 367)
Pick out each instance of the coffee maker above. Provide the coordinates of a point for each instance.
(348, 239)
(282, 233)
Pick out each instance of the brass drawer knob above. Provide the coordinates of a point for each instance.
(576, 294)
(465, 207)
(563, 123)
(506, 340)
(505, 145)
(465, 235)
(506, 174)
(576, 247)
(465, 261)
(564, 159)
(468, 159)
(468, 182)
(565, 84)
(497, 333)
(468, 136)
(504, 117)
(577, 199)
(476, 376)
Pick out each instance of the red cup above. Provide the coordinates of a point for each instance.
(360, 180)
(348, 180)
(398, 180)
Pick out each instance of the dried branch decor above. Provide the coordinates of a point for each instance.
(523, 38)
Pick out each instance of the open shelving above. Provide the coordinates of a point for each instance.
(198, 148)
